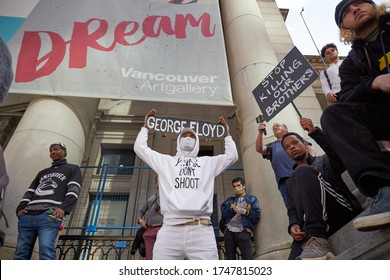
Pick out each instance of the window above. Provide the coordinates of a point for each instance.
(206, 151)
(112, 213)
(119, 158)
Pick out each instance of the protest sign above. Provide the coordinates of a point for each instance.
(176, 125)
(285, 82)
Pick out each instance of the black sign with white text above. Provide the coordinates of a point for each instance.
(286, 81)
(176, 125)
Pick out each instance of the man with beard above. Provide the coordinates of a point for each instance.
(362, 116)
(281, 163)
(318, 201)
(52, 195)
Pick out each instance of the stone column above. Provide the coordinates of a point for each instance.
(46, 121)
(251, 58)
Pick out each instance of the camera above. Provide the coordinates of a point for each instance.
(232, 114)
(260, 119)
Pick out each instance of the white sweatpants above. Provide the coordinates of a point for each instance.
(193, 242)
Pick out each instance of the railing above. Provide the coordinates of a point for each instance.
(76, 247)
(72, 247)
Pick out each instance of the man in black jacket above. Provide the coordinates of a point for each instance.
(52, 195)
(362, 116)
(318, 201)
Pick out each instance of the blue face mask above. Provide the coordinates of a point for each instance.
(187, 144)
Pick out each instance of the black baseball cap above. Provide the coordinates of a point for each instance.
(342, 6)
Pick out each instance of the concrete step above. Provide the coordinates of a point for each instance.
(350, 244)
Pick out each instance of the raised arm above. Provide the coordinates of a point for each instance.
(152, 112)
(317, 134)
(260, 147)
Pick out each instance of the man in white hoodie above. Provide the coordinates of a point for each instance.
(186, 187)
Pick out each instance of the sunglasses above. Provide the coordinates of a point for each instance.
(330, 51)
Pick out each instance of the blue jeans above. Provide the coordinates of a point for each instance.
(282, 188)
(29, 228)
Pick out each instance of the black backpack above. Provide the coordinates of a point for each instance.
(361, 60)
(138, 243)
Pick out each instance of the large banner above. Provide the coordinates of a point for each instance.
(155, 50)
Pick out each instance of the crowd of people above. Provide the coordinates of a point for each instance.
(354, 136)
(177, 218)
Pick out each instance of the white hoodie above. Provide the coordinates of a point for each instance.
(186, 182)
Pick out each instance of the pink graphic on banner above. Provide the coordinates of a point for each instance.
(169, 51)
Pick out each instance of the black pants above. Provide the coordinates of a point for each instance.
(352, 130)
(320, 208)
(241, 240)
(296, 248)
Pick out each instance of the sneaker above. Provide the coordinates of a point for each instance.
(317, 248)
(379, 214)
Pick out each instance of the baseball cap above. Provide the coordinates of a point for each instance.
(342, 6)
(59, 144)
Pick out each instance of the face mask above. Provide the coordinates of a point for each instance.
(239, 190)
(187, 144)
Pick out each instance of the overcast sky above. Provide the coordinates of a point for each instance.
(319, 18)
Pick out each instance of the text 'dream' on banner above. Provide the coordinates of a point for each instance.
(287, 80)
(159, 50)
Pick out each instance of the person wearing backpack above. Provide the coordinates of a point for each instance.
(361, 117)
(330, 80)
